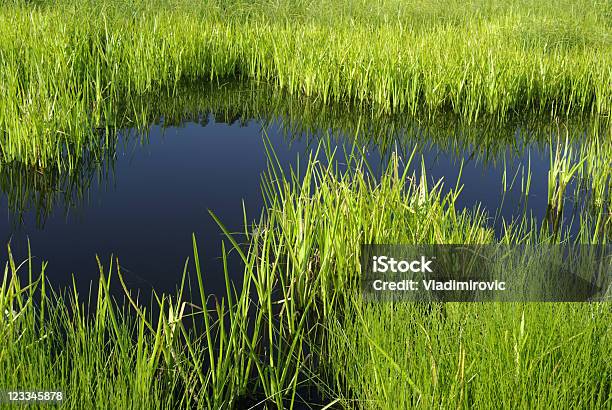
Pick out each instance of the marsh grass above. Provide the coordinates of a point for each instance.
(98, 355)
(390, 355)
(402, 355)
(65, 66)
(296, 323)
(595, 181)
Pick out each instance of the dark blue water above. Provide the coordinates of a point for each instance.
(159, 190)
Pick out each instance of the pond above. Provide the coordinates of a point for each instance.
(144, 201)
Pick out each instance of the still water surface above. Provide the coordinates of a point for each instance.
(158, 191)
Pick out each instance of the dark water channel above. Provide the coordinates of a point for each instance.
(156, 192)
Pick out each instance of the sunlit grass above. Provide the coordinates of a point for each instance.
(296, 323)
(65, 66)
(470, 355)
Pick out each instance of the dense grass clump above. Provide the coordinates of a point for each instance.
(472, 355)
(65, 65)
(98, 355)
(459, 355)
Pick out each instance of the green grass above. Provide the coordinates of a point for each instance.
(65, 66)
(296, 322)
(472, 355)
(73, 73)
(96, 353)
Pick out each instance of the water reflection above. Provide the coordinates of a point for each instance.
(140, 192)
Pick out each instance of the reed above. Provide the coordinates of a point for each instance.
(96, 353)
(295, 325)
(66, 65)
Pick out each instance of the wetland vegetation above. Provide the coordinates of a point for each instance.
(296, 330)
(67, 66)
(482, 81)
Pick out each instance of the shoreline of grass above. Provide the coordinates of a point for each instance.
(66, 182)
(64, 66)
